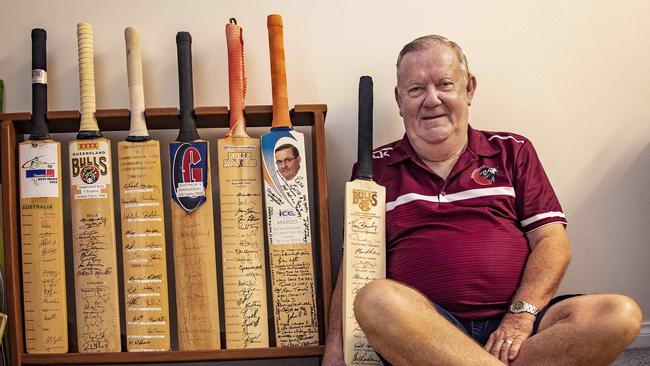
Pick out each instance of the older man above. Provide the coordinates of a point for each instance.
(476, 241)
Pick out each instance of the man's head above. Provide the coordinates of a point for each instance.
(287, 160)
(434, 91)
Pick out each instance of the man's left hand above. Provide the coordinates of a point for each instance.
(504, 343)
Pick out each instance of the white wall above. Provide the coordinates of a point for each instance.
(572, 76)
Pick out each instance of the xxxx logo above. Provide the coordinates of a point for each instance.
(88, 145)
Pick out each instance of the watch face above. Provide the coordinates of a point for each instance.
(517, 306)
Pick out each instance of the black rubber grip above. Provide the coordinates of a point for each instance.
(38, 126)
(364, 152)
(187, 116)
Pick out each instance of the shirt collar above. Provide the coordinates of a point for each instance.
(477, 144)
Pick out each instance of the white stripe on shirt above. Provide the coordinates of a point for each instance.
(459, 196)
(542, 216)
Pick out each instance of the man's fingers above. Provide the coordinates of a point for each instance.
(505, 351)
(496, 349)
(514, 349)
(490, 343)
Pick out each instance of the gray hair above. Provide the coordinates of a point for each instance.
(425, 42)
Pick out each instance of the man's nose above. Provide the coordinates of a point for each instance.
(431, 97)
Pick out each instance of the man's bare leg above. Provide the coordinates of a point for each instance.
(403, 326)
(585, 330)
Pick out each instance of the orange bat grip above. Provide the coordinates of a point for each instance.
(278, 72)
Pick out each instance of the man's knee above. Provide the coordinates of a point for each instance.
(608, 315)
(382, 299)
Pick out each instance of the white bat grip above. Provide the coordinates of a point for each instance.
(136, 86)
(86, 77)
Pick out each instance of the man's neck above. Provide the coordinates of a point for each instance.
(442, 157)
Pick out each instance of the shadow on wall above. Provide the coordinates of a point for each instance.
(610, 230)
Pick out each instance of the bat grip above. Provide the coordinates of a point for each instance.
(138, 131)
(236, 78)
(188, 130)
(364, 146)
(88, 127)
(278, 72)
(39, 129)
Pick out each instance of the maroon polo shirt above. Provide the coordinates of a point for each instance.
(461, 242)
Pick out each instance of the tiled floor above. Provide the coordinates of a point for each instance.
(634, 357)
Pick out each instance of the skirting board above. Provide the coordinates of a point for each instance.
(643, 340)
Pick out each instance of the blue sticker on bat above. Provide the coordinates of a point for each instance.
(189, 173)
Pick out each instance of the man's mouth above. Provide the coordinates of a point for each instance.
(432, 117)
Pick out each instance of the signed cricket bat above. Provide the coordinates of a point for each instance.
(142, 218)
(41, 222)
(242, 230)
(195, 264)
(365, 239)
(288, 225)
(93, 225)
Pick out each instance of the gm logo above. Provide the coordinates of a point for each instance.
(287, 213)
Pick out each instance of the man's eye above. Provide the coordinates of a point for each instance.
(415, 90)
(446, 84)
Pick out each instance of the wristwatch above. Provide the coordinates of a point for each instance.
(520, 306)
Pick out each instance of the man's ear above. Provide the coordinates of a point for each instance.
(399, 103)
(471, 88)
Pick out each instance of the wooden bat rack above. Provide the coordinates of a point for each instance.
(14, 126)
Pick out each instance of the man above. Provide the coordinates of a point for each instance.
(287, 160)
(476, 242)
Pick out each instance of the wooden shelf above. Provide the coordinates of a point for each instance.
(172, 357)
(15, 125)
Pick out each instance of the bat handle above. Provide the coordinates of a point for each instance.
(364, 146)
(39, 129)
(138, 131)
(278, 72)
(88, 127)
(188, 130)
(236, 78)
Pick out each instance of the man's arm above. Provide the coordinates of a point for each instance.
(544, 270)
(333, 355)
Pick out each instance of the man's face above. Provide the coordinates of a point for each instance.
(287, 164)
(433, 95)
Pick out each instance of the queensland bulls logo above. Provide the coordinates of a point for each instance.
(189, 171)
(485, 175)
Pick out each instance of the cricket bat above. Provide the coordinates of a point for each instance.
(142, 217)
(364, 248)
(288, 226)
(93, 225)
(242, 227)
(41, 222)
(195, 263)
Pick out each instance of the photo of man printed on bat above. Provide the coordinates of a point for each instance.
(287, 161)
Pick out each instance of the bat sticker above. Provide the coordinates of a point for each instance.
(189, 173)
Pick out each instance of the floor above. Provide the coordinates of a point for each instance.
(634, 357)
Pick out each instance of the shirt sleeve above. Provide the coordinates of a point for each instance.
(536, 202)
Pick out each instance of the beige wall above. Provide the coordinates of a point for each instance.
(572, 76)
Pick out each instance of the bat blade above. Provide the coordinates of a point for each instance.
(142, 217)
(192, 222)
(93, 219)
(41, 222)
(287, 213)
(242, 230)
(364, 249)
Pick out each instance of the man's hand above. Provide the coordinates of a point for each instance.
(505, 342)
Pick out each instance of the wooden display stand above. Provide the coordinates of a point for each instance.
(14, 125)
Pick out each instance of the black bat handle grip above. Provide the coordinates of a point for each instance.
(187, 117)
(39, 129)
(364, 152)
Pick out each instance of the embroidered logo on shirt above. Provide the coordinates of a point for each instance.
(485, 175)
(381, 153)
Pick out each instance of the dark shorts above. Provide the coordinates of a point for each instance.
(480, 330)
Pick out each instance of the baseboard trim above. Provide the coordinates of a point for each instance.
(643, 340)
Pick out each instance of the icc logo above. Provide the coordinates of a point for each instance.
(189, 166)
(287, 213)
